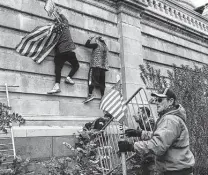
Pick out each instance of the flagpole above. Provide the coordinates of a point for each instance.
(123, 155)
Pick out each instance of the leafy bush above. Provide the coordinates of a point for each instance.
(83, 160)
(6, 118)
(18, 166)
(191, 88)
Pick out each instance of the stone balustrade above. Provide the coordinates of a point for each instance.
(176, 14)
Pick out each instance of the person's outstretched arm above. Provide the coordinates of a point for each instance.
(89, 45)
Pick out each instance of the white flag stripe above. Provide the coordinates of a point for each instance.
(42, 45)
(106, 98)
(106, 102)
(118, 111)
(32, 50)
(120, 117)
(114, 104)
(34, 39)
(111, 98)
(45, 51)
(29, 35)
(45, 54)
(28, 39)
(39, 44)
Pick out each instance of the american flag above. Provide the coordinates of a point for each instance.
(50, 7)
(39, 42)
(113, 103)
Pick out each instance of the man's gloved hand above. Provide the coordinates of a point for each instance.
(125, 146)
(133, 133)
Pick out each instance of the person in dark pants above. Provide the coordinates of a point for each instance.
(64, 53)
(98, 66)
(169, 140)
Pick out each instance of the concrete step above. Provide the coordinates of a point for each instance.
(45, 131)
(49, 120)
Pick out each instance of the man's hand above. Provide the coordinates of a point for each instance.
(91, 37)
(136, 118)
(125, 146)
(133, 133)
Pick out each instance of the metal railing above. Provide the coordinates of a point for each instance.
(108, 149)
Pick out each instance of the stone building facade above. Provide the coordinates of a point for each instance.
(161, 32)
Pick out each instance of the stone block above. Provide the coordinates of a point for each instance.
(77, 109)
(89, 9)
(59, 149)
(37, 147)
(131, 88)
(132, 60)
(132, 75)
(81, 36)
(60, 121)
(12, 4)
(167, 59)
(36, 107)
(131, 32)
(8, 38)
(13, 61)
(125, 18)
(174, 38)
(50, 131)
(35, 84)
(132, 46)
(173, 49)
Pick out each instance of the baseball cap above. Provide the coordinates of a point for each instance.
(165, 93)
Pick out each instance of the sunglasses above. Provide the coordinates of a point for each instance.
(159, 100)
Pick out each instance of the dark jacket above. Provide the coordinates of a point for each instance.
(169, 142)
(65, 42)
(99, 54)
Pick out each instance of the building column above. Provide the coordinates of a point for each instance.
(129, 17)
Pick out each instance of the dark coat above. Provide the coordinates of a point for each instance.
(65, 42)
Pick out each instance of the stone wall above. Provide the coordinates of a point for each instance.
(61, 114)
(30, 98)
(172, 34)
(157, 31)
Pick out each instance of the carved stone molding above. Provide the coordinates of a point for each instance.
(167, 26)
(131, 7)
(173, 13)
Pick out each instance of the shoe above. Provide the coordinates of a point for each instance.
(68, 80)
(88, 99)
(56, 89)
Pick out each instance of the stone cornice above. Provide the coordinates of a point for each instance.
(187, 10)
(131, 7)
(181, 17)
(172, 28)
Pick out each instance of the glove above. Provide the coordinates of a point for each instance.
(125, 146)
(133, 133)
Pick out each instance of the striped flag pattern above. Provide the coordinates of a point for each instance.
(113, 103)
(39, 42)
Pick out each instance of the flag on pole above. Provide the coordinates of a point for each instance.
(39, 42)
(50, 7)
(113, 103)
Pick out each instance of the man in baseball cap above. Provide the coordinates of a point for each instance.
(169, 141)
